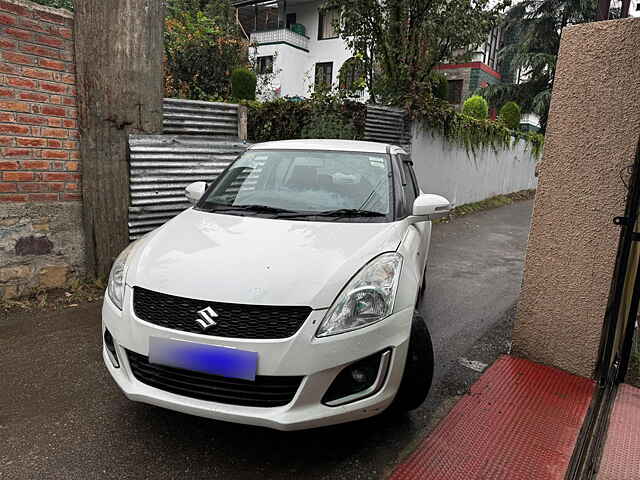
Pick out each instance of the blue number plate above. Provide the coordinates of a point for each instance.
(223, 361)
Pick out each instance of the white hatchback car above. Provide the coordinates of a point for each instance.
(286, 296)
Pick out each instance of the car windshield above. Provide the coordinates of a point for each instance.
(288, 183)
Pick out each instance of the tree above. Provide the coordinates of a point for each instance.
(202, 47)
(400, 41)
(532, 32)
(118, 48)
(439, 85)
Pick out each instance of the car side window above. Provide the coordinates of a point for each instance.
(414, 179)
(410, 186)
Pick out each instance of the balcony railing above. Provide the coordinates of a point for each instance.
(282, 35)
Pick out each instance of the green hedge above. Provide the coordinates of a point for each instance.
(331, 117)
(285, 119)
(243, 84)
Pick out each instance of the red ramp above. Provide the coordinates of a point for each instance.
(621, 455)
(519, 421)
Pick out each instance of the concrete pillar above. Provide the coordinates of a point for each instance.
(594, 126)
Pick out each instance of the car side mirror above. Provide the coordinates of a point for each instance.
(429, 207)
(194, 191)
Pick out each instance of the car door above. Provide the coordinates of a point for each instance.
(411, 192)
(414, 247)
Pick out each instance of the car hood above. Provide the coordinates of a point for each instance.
(251, 260)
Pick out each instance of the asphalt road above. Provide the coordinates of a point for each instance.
(61, 417)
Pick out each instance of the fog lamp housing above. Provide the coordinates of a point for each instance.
(111, 348)
(359, 380)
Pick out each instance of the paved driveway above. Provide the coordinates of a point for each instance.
(61, 417)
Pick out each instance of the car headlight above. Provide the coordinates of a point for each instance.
(118, 276)
(368, 297)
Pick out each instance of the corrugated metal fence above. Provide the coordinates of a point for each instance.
(387, 125)
(161, 166)
(192, 117)
(200, 139)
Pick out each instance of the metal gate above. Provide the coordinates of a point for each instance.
(622, 308)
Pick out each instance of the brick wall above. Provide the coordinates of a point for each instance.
(39, 159)
(38, 114)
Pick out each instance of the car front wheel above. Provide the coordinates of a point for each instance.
(418, 369)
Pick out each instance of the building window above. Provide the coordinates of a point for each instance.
(291, 20)
(324, 75)
(326, 22)
(265, 64)
(491, 48)
(454, 92)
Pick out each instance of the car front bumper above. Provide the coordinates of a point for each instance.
(318, 360)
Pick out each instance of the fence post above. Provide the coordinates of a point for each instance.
(119, 50)
(242, 122)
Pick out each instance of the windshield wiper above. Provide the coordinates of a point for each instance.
(338, 213)
(350, 212)
(219, 207)
(284, 213)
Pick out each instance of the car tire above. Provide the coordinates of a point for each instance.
(418, 368)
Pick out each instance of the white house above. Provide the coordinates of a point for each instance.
(296, 45)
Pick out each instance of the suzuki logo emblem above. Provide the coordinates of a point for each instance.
(206, 319)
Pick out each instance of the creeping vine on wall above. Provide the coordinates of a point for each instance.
(327, 116)
(472, 134)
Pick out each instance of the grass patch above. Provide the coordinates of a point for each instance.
(489, 203)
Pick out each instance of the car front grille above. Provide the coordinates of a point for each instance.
(233, 320)
(265, 391)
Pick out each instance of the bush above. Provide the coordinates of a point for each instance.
(476, 107)
(280, 119)
(321, 116)
(510, 115)
(439, 85)
(243, 84)
(68, 4)
(200, 53)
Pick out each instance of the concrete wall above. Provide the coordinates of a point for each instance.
(463, 177)
(40, 199)
(593, 131)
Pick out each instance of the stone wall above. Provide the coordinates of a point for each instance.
(41, 246)
(40, 193)
(594, 126)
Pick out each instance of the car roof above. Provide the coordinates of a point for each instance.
(329, 145)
